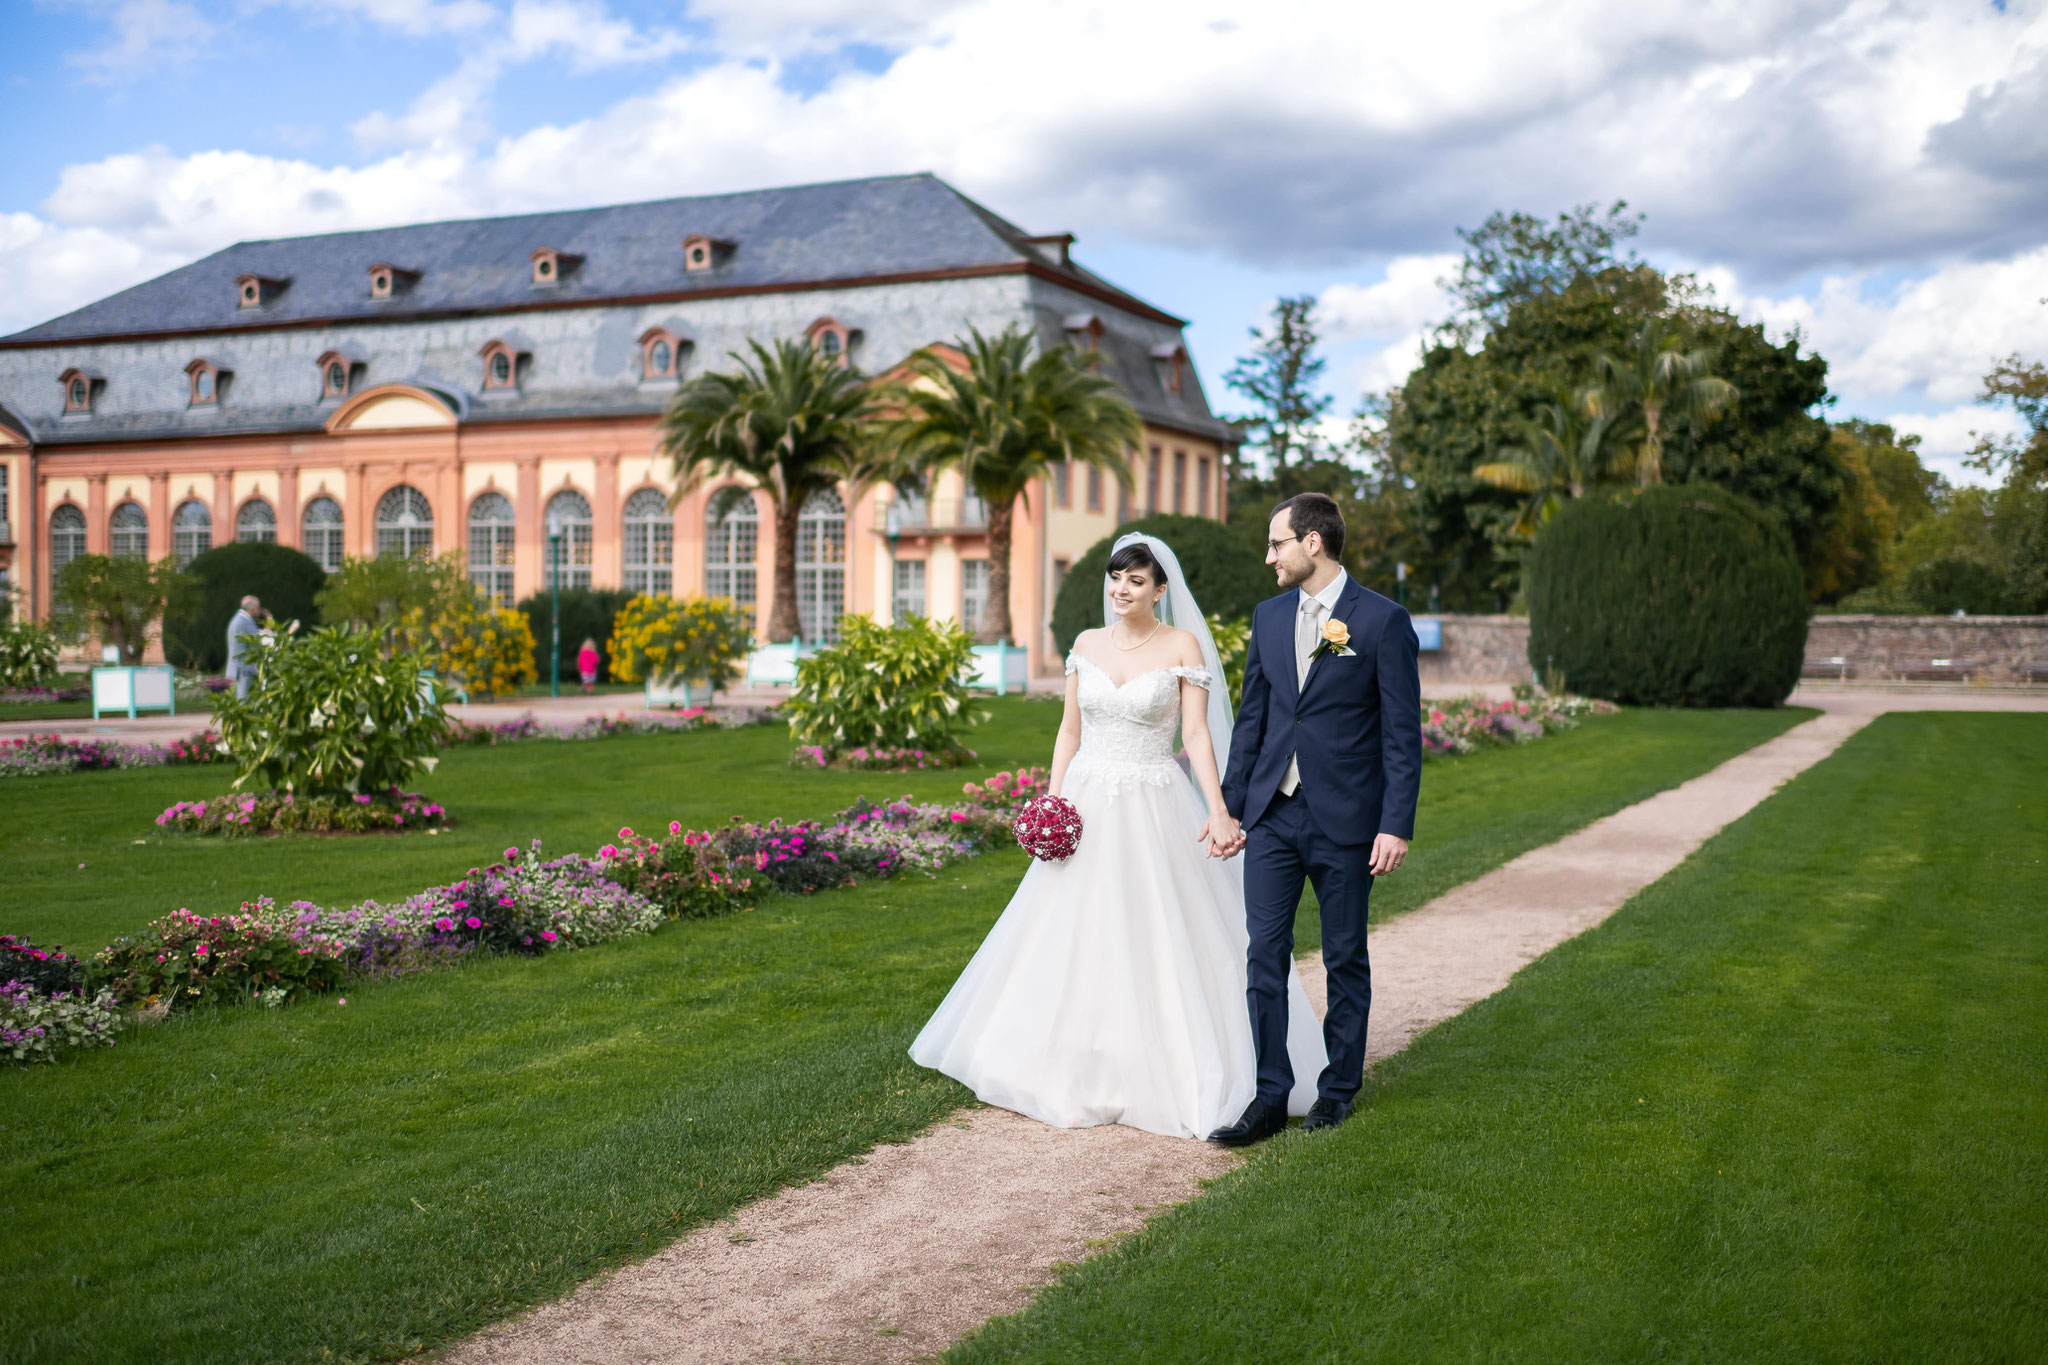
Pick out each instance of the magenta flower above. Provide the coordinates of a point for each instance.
(625, 831)
(510, 854)
(675, 827)
(474, 923)
(548, 934)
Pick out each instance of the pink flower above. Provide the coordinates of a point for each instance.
(474, 923)
(548, 934)
(510, 854)
(625, 831)
(675, 827)
(607, 851)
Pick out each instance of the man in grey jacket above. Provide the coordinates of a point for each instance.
(239, 630)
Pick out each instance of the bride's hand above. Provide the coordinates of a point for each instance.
(1222, 834)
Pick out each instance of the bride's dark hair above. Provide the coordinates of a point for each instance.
(1136, 555)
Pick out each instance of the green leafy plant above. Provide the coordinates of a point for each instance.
(486, 649)
(332, 711)
(695, 638)
(285, 580)
(378, 592)
(1233, 638)
(28, 655)
(1679, 595)
(185, 959)
(118, 599)
(885, 686)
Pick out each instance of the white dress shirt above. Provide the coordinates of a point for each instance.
(1310, 612)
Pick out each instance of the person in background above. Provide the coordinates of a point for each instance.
(586, 664)
(239, 630)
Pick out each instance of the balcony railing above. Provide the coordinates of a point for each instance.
(912, 515)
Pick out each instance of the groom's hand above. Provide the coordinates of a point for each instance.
(1389, 851)
(1223, 836)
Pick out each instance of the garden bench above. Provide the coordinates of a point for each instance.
(1942, 670)
(1833, 666)
(2033, 671)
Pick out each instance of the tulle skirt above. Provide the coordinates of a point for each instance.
(1112, 989)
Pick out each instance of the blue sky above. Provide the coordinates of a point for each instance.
(1871, 172)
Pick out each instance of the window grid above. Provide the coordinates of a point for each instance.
(732, 527)
(256, 522)
(1202, 485)
(569, 513)
(320, 533)
(1180, 482)
(1063, 483)
(821, 567)
(650, 544)
(909, 600)
(405, 523)
(1152, 482)
(67, 538)
(491, 534)
(191, 531)
(973, 594)
(1094, 488)
(128, 532)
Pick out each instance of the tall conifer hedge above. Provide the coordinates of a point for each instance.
(1680, 595)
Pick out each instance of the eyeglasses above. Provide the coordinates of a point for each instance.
(1273, 545)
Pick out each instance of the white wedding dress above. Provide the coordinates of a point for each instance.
(1112, 990)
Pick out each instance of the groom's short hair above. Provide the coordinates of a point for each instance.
(1316, 512)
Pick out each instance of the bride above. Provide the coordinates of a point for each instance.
(1112, 989)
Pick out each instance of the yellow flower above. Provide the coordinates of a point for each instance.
(1336, 634)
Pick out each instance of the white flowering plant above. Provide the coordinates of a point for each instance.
(334, 711)
(885, 687)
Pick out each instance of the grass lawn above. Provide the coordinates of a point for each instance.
(1786, 1105)
(253, 1186)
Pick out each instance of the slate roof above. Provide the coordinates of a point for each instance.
(788, 237)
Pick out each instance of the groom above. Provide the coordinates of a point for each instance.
(1325, 766)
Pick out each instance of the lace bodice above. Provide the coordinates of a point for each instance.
(1128, 732)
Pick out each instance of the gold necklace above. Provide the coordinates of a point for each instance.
(1141, 644)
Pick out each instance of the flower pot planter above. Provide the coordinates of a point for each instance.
(673, 692)
(775, 665)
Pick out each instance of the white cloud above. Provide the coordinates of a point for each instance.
(146, 36)
(1948, 435)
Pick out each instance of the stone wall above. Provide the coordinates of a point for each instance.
(1995, 649)
(1478, 649)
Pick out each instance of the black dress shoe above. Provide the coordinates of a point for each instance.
(1258, 1122)
(1325, 1114)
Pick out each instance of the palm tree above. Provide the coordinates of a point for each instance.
(1659, 379)
(794, 420)
(1004, 420)
(1574, 443)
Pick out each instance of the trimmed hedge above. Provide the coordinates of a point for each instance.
(1226, 572)
(284, 579)
(1680, 595)
(587, 614)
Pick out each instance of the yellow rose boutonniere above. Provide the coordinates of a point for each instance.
(1336, 640)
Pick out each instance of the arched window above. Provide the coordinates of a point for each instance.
(405, 523)
(821, 567)
(128, 532)
(568, 517)
(661, 354)
(67, 538)
(209, 381)
(191, 531)
(650, 544)
(490, 546)
(732, 529)
(501, 366)
(256, 521)
(320, 533)
(832, 338)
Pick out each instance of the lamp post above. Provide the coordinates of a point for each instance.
(555, 609)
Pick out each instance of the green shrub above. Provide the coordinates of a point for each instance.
(381, 591)
(1233, 642)
(1226, 572)
(587, 614)
(28, 655)
(1956, 582)
(1680, 595)
(332, 711)
(284, 579)
(885, 687)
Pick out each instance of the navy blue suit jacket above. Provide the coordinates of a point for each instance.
(1356, 724)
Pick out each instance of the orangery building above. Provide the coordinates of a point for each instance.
(467, 385)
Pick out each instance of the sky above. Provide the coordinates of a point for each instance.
(1871, 173)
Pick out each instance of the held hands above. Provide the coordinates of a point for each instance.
(1389, 851)
(1225, 838)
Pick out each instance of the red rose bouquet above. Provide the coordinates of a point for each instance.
(1049, 828)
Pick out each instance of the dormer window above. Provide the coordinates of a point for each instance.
(1169, 362)
(208, 380)
(253, 291)
(551, 266)
(1084, 330)
(388, 280)
(81, 387)
(1055, 248)
(501, 367)
(702, 253)
(661, 354)
(339, 371)
(832, 338)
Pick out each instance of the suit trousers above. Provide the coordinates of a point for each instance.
(1282, 850)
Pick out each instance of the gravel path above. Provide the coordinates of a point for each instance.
(896, 1256)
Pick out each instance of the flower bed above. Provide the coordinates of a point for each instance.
(28, 696)
(276, 955)
(41, 755)
(284, 813)
(464, 733)
(1464, 725)
(880, 759)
